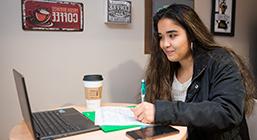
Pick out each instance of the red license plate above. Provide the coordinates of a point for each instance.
(48, 15)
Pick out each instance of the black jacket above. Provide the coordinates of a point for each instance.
(214, 106)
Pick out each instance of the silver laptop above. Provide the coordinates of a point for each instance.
(47, 125)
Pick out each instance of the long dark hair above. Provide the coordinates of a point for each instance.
(160, 71)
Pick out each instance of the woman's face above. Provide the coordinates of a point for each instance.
(173, 40)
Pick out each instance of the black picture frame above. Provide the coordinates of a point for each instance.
(223, 17)
(151, 7)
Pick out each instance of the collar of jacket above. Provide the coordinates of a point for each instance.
(201, 59)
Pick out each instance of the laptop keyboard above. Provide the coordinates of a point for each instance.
(51, 123)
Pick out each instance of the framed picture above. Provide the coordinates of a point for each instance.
(223, 17)
(118, 11)
(151, 7)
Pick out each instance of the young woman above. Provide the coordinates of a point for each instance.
(193, 81)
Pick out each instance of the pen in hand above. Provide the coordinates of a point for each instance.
(143, 90)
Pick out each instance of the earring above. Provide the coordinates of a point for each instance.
(192, 46)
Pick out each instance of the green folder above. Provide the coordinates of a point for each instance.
(107, 128)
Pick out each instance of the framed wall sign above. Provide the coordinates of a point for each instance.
(151, 7)
(118, 11)
(223, 17)
(52, 15)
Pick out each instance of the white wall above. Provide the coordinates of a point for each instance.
(55, 62)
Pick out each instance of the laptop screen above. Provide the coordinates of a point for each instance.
(23, 99)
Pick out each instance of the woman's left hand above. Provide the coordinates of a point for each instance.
(144, 112)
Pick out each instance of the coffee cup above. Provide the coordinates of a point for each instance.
(42, 16)
(93, 85)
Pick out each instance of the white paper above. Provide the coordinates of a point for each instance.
(115, 116)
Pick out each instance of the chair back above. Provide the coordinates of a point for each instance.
(252, 122)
